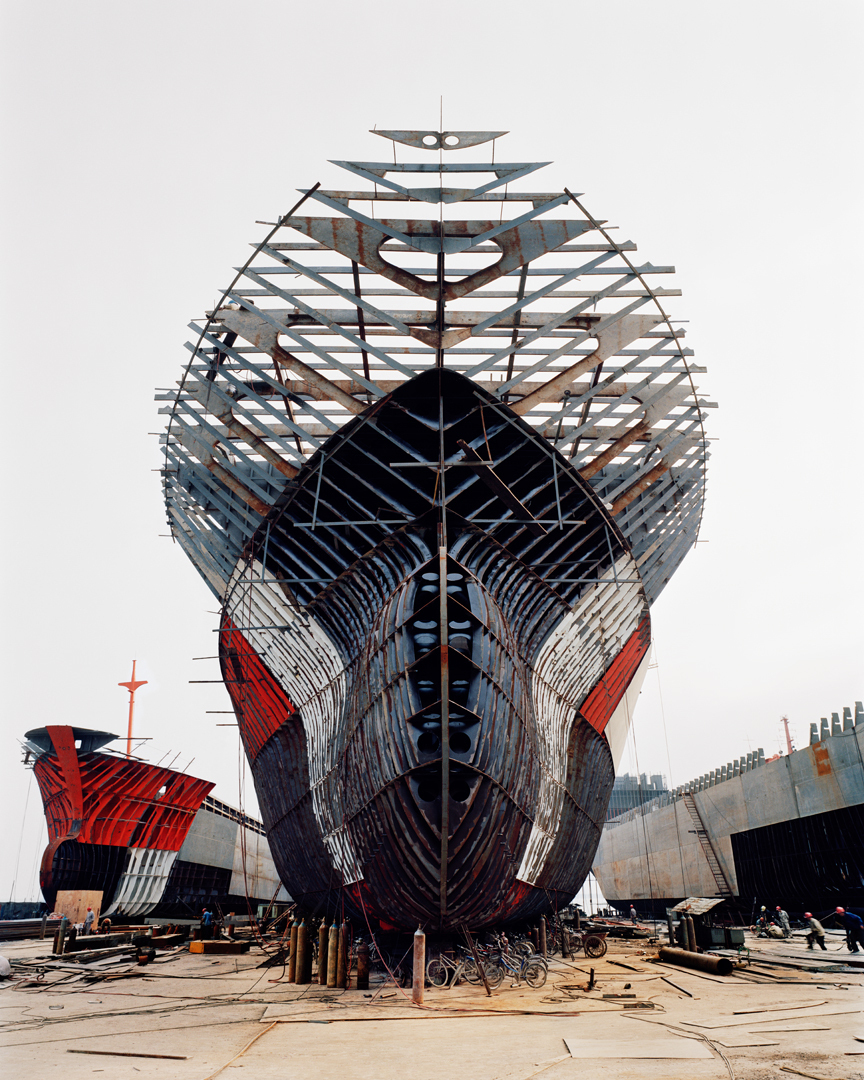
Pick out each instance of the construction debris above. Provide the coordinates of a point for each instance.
(758, 1031)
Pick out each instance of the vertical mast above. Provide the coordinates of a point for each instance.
(131, 686)
(789, 746)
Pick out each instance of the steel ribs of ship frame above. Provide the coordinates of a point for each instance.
(246, 473)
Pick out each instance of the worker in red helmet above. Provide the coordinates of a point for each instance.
(783, 919)
(854, 927)
(817, 931)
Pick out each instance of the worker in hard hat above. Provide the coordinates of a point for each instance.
(853, 926)
(817, 931)
(783, 918)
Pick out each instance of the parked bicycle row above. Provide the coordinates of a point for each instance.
(302, 946)
(500, 957)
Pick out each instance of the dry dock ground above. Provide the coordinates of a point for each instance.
(198, 1017)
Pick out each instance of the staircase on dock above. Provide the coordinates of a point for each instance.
(707, 847)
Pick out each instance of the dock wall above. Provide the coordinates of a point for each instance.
(656, 852)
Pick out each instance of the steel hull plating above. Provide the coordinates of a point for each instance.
(148, 838)
(344, 705)
(436, 464)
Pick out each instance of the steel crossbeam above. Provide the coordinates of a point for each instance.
(630, 407)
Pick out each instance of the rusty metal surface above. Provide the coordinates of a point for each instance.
(441, 140)
(148, 839)
(435, 469)
(97, 805)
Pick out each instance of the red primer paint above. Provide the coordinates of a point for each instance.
(112, 800)
(603, 700)
(260, 703)
(63, 740)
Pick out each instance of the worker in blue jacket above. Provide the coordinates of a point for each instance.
(854, 928)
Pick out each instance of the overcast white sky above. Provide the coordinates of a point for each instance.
(142, 141)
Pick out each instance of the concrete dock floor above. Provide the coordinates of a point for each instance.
(219, 1015)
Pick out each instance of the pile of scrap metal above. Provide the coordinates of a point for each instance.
(617, 928)
(13, 929)
(124, 961)
(789, 955)
(142, 941)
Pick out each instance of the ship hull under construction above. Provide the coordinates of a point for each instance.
(429, 641)
(435, 573)
(140, 839)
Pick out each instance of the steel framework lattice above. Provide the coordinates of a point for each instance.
(435, 377)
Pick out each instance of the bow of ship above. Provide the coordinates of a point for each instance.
(436, 468)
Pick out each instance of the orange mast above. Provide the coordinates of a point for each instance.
(131, 686)
(785, 722)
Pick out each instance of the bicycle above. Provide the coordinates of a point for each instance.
(525, 948)
(533, 970)
(442, 970)
(522, 947)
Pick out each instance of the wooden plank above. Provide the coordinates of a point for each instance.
(73, 903)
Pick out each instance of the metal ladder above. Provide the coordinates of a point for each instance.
(707, 847)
